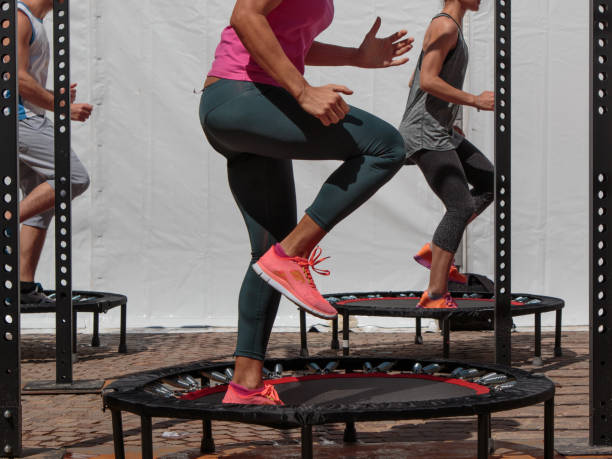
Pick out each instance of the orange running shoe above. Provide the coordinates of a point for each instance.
(291, 277)
(267, 395)
(446, 302)
(424, 258)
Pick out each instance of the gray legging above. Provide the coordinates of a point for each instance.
(260, 129)
(450, 174)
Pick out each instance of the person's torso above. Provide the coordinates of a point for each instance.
(428, 121)
(295, 23)
(38, 64)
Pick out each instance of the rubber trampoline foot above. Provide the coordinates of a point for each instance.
(350, 433)
(537, 362)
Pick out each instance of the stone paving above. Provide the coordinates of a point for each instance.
(76, 423)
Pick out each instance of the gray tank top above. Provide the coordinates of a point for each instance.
(428, 121)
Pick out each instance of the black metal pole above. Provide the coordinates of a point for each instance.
(63, 192)
(600, 226)
(503, 313)
(10, 376)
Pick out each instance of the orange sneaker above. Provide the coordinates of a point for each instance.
(241, 396)
(446, 302)
(424, 258)
(291, 277)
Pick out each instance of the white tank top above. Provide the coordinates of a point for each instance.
(39, 62)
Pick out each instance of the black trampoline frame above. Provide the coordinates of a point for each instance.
(128, 394)
(94, 302)
(549, 304)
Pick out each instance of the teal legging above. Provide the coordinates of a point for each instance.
(260, 129)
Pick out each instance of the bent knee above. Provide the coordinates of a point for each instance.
(394, 146)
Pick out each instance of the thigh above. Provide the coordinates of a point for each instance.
(36, 146)
(478, 169)
(267, 121)
(445, 176)
(78, 172)
(265, 193)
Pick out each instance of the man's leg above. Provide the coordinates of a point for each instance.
(39, 200)
(31, 243)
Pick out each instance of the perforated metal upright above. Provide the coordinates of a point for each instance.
(600, 226)
(63, 193)
(10, 378)
(503, 313)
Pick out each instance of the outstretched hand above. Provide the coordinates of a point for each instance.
(383, 52)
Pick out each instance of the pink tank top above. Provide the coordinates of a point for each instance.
(295, 23)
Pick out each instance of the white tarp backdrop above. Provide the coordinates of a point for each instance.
(159, 224)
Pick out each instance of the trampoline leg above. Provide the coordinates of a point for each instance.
(208, 442)
(538, 335)
(418, 337)
(549, 428)
(118, 435)
(446, 338)
(484, 421)
(345, 333)
(558, 351)
(303, 338)
(95, 339)
(335, 344)
(307, 448)
(350, 433)
(122, 334)
(146, 432)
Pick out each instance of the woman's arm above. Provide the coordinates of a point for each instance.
(372, 53)
(250, 23)
(29, 89)
(440, 40)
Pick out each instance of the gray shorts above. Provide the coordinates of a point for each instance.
(37, 164)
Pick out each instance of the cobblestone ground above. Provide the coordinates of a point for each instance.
(54, 424)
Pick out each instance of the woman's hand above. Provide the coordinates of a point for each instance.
(325, 102)
(485, 101)
(383, 52)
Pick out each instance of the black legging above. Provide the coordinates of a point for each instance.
(450, 174)
(260, 129)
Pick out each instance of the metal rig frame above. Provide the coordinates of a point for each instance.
(10, 376)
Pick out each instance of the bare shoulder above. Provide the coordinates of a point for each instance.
(442, 30)
(24, 26)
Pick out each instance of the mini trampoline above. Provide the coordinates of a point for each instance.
(92, 302)
(322, 391)
(403, 304)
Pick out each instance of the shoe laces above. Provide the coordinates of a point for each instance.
(270, 393)
(312, 262)
(448, 301)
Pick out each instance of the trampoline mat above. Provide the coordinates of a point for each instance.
(466, 304)
(406, 306)
(358, 388)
